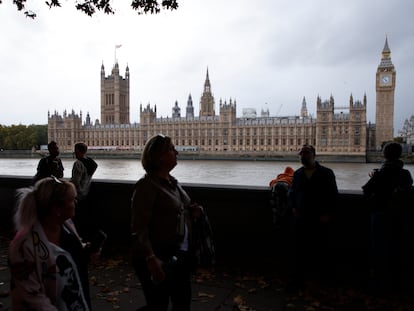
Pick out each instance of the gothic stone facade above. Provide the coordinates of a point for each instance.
(337, 130)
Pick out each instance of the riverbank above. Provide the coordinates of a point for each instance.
(370, 157)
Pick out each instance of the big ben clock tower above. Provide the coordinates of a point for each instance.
(385, 86)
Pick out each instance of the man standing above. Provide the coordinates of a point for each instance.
(82, 172)
(50, 165)
(312, 198)
(388, 192)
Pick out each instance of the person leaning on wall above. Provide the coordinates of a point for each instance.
(312, 197)
(82, 171)
(50, 165)
(279, 190)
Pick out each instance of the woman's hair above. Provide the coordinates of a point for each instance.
(153, 149)
(34, 203)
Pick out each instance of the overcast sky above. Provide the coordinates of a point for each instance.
(265, 54)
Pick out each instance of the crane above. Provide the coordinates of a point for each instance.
(278, 110)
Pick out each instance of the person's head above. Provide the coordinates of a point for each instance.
(50, 198)
(392, 151)
(159, 154)
(307, 155)
(53, 148)
(289, 171)
(80, 150)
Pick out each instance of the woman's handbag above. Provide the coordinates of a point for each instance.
(202, 241)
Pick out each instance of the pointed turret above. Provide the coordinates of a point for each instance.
(88, 119)
(207, 100)
(386, 52)
(386, 57)
(176, 111)
(207, 85)
(189, 109)
(304, 109)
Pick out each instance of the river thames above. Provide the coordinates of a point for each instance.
(349, 176)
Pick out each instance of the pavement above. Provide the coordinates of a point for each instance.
(114, 286)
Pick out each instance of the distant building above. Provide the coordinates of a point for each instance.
(407, 131)
(340, 130)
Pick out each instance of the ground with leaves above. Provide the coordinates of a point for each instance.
(114, 286)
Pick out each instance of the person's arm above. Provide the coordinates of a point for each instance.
(59, 173)
(41, 169)
(292, 195)
(330, 198)
(25, 278)
(76, 174)
(141, 209)
(369, 188)
(78, 179)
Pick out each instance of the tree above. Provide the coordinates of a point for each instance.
(22, 137)
(90, 7)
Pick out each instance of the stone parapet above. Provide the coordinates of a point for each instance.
(240, 216)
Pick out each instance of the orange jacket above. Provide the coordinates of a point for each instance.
(286, 177)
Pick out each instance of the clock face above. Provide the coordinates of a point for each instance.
(385, 79)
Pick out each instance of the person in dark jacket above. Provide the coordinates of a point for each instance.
(83, 169)
(312, 198)
(50, 165)
(388, 192)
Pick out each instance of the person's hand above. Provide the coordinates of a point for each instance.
(325, 218)
(196, 210)
(372, 173)
(155, 269)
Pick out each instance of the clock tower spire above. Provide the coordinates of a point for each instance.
(207, 100)
(385, 87)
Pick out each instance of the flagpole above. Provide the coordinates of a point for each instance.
(117, 46)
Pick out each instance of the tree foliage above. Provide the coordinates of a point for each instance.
(22, 137)
(89, 7)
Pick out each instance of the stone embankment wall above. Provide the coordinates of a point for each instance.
(240, 216)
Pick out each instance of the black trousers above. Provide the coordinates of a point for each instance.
(175, 288)
(85, 220)
(313, 258)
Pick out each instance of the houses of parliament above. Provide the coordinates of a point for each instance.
(336, 129)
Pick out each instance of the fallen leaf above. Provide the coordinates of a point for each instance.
(202, 294)
(252, 291)
(238, 300)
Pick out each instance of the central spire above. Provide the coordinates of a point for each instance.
(207, 85)
(207, 99)
(386, 52)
